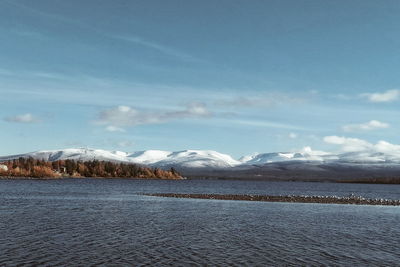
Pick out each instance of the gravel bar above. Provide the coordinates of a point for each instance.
(355, 200)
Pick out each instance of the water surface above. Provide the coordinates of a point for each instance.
(94, 222)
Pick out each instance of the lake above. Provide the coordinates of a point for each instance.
(103, 222)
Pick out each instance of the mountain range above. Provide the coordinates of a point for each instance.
(277, 165)
(210, 158)
(155, 158)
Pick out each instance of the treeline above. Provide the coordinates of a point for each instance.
(382, 180)
(30, 167)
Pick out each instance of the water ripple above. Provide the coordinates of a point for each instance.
(101, 224)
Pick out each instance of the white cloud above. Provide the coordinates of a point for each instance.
(111, 128)
(311, 152)
(348, 144)
(127, 116)
(292, 135)
(388, 96)
(356, 145)
(123, 116)
(368, 126)
(23, 118)
(314, 154)
(386, 147)
(197, 109)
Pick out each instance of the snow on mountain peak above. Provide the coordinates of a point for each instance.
(157, 158)
(248, 157)
(306, 154)
(83, 154)
(148, 156)
(199, 158)
(386, 154)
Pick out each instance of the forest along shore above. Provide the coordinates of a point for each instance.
(356, 200)
(34, 168)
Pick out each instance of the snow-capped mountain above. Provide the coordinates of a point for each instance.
(73, 154)
(305, 155)
(369, 157)
(213, 159)
(198, 159)
(148, 156)
(158, 158)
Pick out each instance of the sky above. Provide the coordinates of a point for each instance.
(234, 76)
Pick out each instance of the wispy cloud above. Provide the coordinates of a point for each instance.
(126, 38)
(23, 118)
(158, 47)
(379, 97)
(48, 75)
(124, 144)
(266, 124)
(29, 34)
(34, 74)
(112, 128)
(116, 143)
(54, 16)
(74, 143)
(343, 97)
(274, 99)
(125, 116)
(368, 126)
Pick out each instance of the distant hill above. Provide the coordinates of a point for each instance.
(155, 158)
(306, 165)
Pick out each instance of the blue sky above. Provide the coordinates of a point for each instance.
(234, 76)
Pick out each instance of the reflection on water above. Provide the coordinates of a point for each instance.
(105, 222)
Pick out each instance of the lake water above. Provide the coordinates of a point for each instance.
(103, 222)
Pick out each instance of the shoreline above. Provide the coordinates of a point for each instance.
(203, 178)
(350, 200)
(83, 178)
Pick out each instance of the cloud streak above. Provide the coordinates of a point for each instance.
(388, 96)
(158, 47)
(368, 126)
(166, 50)
(23, 118)
(112, 128)
(266, 124)
(124, 116)
(261, 101)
